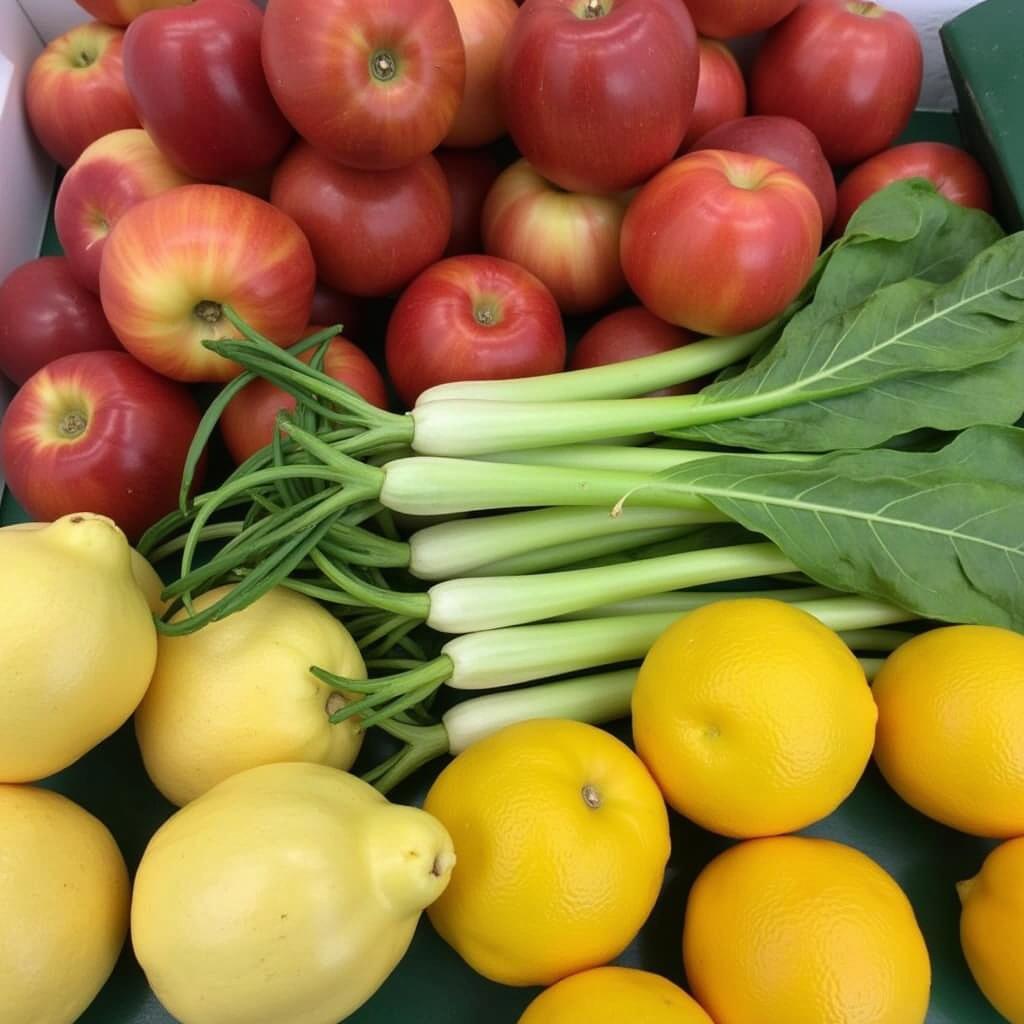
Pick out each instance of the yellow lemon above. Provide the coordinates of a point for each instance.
(77, 642)
(614, 995)
(754, 718)
(803, 931)
(992, 928)
(238, 693)
(562, 839)
(63, 906)
(950, 704)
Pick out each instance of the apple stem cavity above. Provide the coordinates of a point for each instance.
(210, 312)
(486, 315)
(84, 59)
(335, 702)
(865, 8)
(595, 8)
(72, 424)
(383, 66)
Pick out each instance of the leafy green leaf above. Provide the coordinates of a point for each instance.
(939, 533)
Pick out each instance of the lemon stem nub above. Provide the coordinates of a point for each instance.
(591, 797)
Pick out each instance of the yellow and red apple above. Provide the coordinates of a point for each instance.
(172, 263)
(114, 174)
(76, 92)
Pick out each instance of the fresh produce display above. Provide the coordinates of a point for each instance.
(309, 870)
(598, 94)
(171, 264)
(371, 85)
(850, 70)
(947, 743)
(562, 840)
(570, 241)
(720, 242)
(98, 430)
(372, 232)
(627, 481)
(240, 695)
(607, 995)
(956, 174)
(991, 926)
(76, 92)
(79, 644)
(785, 141)
(721, 91)
(757, 733)
(845, 941)
(204, 59)
(45, 313)
(497, 318)
(115, 173)
(64, 889)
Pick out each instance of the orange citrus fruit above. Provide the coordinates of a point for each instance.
(562, 839)
(614, 995)
(950, 704)
(803, 931)
(754, 718)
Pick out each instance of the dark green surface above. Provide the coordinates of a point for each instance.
(432, 986)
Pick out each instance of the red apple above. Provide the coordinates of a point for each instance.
(114, 174)
(569, 240)
(472, 318)
(726, 19)
(197, 81)
(956, 174)
(484, 25)
(98, 432)
(721, 90)
(45, 313)
(331, 307)
(372, 85)
(76, 93)
(248, 421)
(372, 231)
(720, 242)
(785, 141)
(470, 174)
(173, 262)
(121, 12)
(848, 69)
(632, 333)
(598, 94)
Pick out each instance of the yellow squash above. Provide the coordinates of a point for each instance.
(63, 906)
(284, 895)
(77, 642)
(239, 693)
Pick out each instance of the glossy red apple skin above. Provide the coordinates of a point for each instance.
(121, 12)
(373, 85)
(171, 262)
(46, 313)
(332, 307)
(247, 423)
(76, 93)
(850, 71)
(632, 333)
(371, 231)
(114, 174)
(568, 240)
(470, 174)
(98, 432)
(955, 173)
(785, 141)
(720, 242)
(196, 77)
(599, 104)
(472, 318)
(721, 91)
(484, 26)
(726, 19)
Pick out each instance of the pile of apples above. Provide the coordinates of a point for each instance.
(302, 163)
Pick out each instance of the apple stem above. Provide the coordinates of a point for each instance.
(383, 66)
(594, 9)
(73, 424)
(85, 59)
(485, 316)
